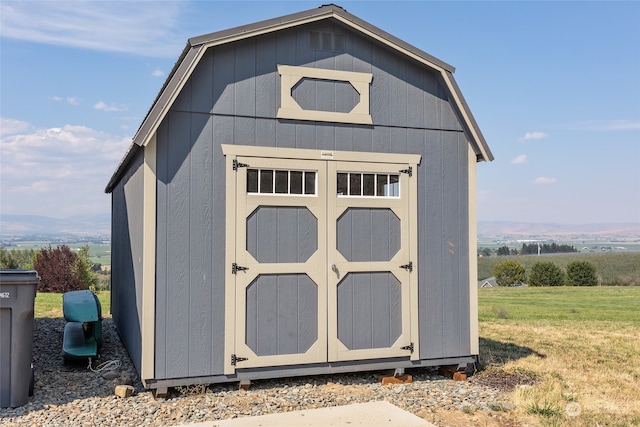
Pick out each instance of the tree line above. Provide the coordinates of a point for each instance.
(546, 273)
(60, 269)
(529, 249)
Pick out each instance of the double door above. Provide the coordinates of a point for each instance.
(322, 269)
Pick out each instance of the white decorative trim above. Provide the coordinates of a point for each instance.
(148, 315)
(310, 154)
(289, 108)
(473, 254)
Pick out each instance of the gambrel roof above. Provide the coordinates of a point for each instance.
(197, 46)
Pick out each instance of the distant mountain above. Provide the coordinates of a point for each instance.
(35, 225)
(550, 230)
(100, 225)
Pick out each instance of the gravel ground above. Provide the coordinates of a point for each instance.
(72, 395)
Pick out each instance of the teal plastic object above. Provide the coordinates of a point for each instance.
(81, 306)
(83, 332)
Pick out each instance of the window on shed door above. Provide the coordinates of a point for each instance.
(281, 182)
(362, 184)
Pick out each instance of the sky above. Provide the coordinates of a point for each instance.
(554, 87)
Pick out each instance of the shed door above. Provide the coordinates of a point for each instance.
(323, 261)
(281, 255)
(369, 241)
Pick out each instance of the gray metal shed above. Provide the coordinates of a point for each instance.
(300, 199)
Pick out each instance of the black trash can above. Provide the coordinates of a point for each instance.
(17, 295)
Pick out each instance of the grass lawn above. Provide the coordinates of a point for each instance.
(583, 344)
(50, 305)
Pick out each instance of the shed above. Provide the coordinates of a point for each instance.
(299, 199)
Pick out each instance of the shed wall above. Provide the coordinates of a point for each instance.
(126, 257)
(232, 98)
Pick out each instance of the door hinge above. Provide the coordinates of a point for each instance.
(408, 347)
(408, 171)
(235, 268)
(408, 267)
(237, 164)
(235, 359)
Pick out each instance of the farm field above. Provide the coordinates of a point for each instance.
(580, 346)
(100, 253)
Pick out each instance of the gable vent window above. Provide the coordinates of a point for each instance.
(321, 40)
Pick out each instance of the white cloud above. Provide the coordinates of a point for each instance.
(10, 126)
(545, 180)
(521, 159)
(71, 100)
(109, 108)
(139, 27)
(157, 73)
(529, 136)
(57, 172)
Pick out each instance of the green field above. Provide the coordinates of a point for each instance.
(611, 268)
(100, 253)
(606, 303)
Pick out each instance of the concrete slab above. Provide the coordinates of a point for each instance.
(372, 414)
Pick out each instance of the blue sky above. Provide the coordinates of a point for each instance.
(554, 87)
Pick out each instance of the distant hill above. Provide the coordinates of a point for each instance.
(35, 225)
(100, 225)
(550, 230)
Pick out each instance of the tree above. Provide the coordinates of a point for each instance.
(58, 270)
(546, 273)
(509, 272)
(485, 251)
(581, 273)
(17, 259)
(503, 250)
(84, 269)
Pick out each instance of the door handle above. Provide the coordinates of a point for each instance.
(334, 267)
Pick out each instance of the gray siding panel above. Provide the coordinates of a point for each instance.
(281, 314)
(200, 245)
(244, 87)
(162, 141)
(178, 239)
(190, 316)
(369, 310)
(451, 243)
(430, 269)
(126, 259)
(266, 80)
(366, 235)
(281, 234)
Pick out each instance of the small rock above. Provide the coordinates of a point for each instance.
(507, 406)
(110, 375)
(124, 391)
(125, 378)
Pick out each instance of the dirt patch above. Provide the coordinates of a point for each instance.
(502, 380)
